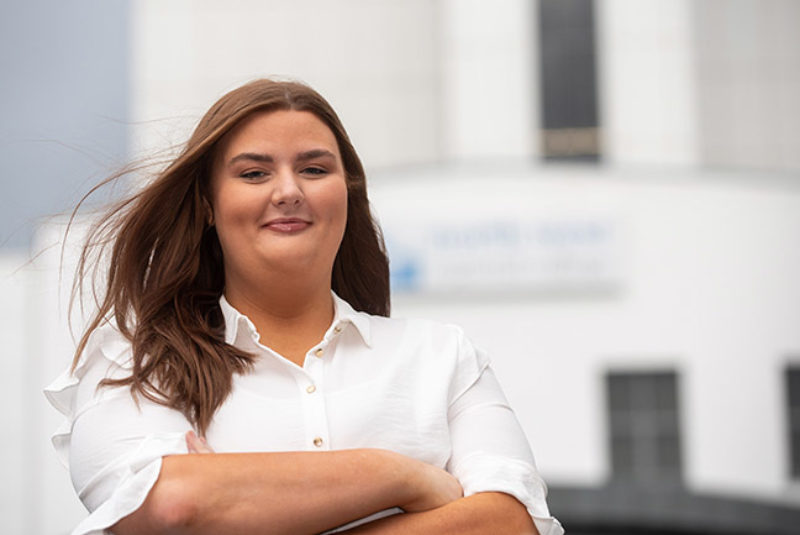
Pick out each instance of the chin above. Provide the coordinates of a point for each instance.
(297, 264)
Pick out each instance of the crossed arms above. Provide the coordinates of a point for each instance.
(310, 492)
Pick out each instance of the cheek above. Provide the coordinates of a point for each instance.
(237, 204)
(340, 207)
(233, 213)
(331, 207)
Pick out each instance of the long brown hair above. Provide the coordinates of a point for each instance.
(165, 274)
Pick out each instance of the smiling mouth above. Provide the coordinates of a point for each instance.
(287, 225)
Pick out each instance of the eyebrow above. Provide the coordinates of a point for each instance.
(266, 158)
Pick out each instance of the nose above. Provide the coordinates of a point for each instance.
(287, 190)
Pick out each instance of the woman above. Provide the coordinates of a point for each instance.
(245, 323)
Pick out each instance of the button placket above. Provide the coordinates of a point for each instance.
(313, 401)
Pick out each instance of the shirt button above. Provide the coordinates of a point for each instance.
(337, 329)
(319, 352)
(311, 389)
(318, 442)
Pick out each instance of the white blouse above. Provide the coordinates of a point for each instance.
(416, 387)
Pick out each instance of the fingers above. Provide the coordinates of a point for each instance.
(192, 442)
(197, 444)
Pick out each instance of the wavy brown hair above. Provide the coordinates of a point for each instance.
(166, 275)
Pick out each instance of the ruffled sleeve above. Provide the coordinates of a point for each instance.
(490, 452)
(112, 446)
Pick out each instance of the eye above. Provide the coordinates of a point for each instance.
(314, 171)
(252, 175)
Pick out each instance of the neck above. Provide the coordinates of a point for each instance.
(290, 315)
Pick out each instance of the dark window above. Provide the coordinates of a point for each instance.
(644, 428)
(568, 80)
(793, 399)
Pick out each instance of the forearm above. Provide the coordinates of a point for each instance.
(479, 514)
(275, 493)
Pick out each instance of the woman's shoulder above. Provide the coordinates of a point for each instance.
(396, 329)
(424, 340)
(418, 327)
(106, 342)
(439, 337)
(434, 348)
(106, 355)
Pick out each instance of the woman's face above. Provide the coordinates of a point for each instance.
(279, 197)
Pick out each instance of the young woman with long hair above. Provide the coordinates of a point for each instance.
(241, 374)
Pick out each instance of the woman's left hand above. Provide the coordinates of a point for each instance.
(197, 444)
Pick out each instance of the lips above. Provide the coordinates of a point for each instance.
(287, 224)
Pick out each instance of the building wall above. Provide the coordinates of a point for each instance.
(488, 90)
(648, 86)
(699, 83)
(14, 494)
(747, 69)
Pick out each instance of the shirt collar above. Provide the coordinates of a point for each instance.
(343, 315)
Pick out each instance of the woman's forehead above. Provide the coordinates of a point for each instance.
(280, 123)
(275, 129)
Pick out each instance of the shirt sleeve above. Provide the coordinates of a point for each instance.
(112, 444)
(489, 450)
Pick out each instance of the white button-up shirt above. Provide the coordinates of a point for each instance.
(416, 387)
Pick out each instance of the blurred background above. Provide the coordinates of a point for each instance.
(605, 195)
